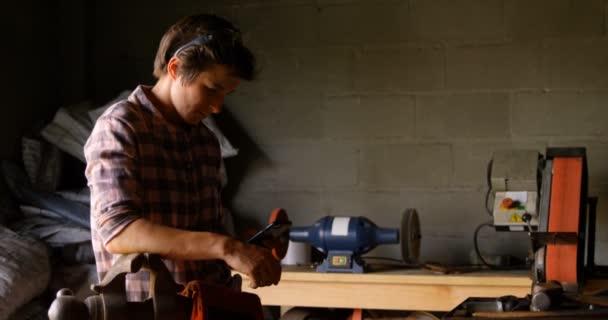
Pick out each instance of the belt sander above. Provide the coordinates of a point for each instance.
(547, 197)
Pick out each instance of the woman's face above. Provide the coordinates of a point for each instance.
(205, 94)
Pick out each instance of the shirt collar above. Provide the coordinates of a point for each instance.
(140, 97)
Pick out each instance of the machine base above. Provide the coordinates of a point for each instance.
(342, 261)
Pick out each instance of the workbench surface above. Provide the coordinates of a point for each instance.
(400, 289)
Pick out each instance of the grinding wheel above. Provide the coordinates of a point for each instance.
(279, 247)
(410, 236)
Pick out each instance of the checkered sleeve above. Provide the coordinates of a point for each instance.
(111, 155)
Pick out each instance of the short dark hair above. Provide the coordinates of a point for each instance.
(224, 47)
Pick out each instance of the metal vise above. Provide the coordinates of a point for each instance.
(164, 301)
(343, 240)
(111, 302)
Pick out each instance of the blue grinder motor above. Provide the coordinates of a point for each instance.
(343, 240)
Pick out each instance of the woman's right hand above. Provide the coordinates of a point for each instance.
(256, 262)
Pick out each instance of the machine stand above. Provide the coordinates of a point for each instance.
(342, 261)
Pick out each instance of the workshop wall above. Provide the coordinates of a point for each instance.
(371, 107)
(44, 55)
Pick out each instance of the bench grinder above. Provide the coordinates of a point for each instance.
(343, 240)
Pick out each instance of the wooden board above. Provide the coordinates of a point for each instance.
(405, 289)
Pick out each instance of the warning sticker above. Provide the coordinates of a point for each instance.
(516, 218)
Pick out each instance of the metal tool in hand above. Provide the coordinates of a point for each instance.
(275, 236)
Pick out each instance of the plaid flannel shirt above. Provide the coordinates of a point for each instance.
(141, 166)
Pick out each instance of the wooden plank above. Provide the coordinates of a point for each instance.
(391, 290)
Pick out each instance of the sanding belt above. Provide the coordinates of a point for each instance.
(566, 191)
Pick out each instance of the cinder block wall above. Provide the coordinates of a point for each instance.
(371, 107)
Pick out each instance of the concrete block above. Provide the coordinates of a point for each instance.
(400, 69)
(279, 26)
(382, 207)
(303, 167)
(406, 165)
(340, 165)
(468, 20)
(471, 158)
(446, 208)
(479, 115)
(278, 118)
(559, 114)
(350, 23)
(251, 112)
(275, 68)
(256, 87)
(259, 173)
(340, 70)
(298, 117)
(538, 19)
(494, 67)
(303, 208)
(312, 166)
(251, 209)
(575, 64)
(368, 117)
(305, 70)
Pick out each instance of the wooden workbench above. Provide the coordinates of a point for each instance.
(404, 289)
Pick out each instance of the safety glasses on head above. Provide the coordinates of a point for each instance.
(224, 38)
(198, 41)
